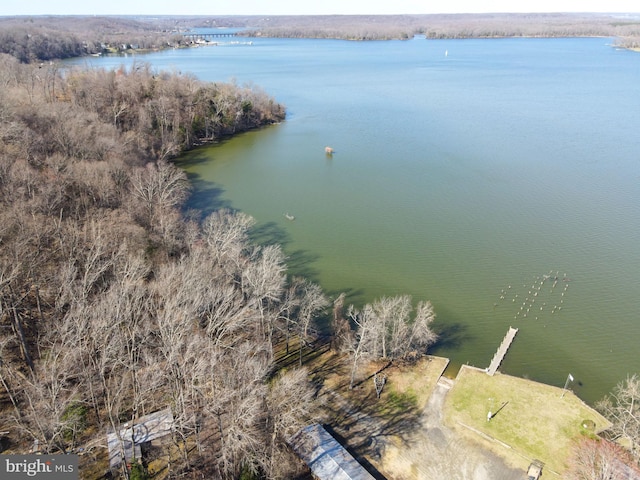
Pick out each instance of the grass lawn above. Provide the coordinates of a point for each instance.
(407, 384)
(536, 421)
(417, 381)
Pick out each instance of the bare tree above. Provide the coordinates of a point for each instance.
(421, 335)
(359, 349)
(160, 187)
(9, 303)
(237, 392)
(179, 347)
(342, 334)
(302, 301)
(48, 394)
(6, 372)
(622, 408)
(226, 233)
(291, 403)
(311, 304)
(384, 329)
(597, 459)
(225, 316)
(263, 281)
(392, 332)
(287, 318)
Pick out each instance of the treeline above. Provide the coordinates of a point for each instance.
(531, 25)
(41, 45)
(629, 42)
(380, 27)
(38, 39)
(112, 304)
(89, 113)
(344, 27)
(41, 39)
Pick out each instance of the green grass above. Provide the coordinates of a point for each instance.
(414, 383)
(400, 401)
(536, 421)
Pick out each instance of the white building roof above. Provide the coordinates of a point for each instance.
(327, 459)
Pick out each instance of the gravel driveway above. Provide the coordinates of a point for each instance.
(435, 452)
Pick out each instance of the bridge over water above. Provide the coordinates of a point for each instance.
(207, 36)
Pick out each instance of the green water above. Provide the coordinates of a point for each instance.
(454, 178)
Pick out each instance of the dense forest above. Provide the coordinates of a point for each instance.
(115, 303)
(38, 39)
(112, 303)
(380, 27)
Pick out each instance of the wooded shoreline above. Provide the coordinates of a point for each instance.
(45, 38)
(114, 304)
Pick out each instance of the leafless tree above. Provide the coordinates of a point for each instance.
(311, 304)
(178, 345)
(342, 334)
(421, 335)
(49, 392)
(263, 281)
(622, 408)
(359, 349)
(226, 233)
(302, 301)
(237, 392)
(6, 372)
(225, 316)
(597, 459)
(160, 187)
(384, 329)
(9, 309)
(393, 333)
(291, 403)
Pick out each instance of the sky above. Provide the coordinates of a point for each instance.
(305, 7)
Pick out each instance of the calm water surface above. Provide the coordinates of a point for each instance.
(464, 178)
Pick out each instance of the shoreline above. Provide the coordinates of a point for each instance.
(259, 34)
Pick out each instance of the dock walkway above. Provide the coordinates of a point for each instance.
(502, 351)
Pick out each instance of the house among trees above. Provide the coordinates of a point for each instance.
(327, 459)
(144, 431)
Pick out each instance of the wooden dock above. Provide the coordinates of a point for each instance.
(502, 351)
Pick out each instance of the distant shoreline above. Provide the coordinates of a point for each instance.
(78, 36)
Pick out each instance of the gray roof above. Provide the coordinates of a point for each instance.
(145, 429)
(327, 459)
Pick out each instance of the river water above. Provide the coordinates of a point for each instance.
(499, 179)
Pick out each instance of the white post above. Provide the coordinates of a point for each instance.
(569, 379)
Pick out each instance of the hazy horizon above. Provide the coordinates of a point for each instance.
(328, 7)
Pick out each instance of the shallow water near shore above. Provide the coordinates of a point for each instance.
(469, 179)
